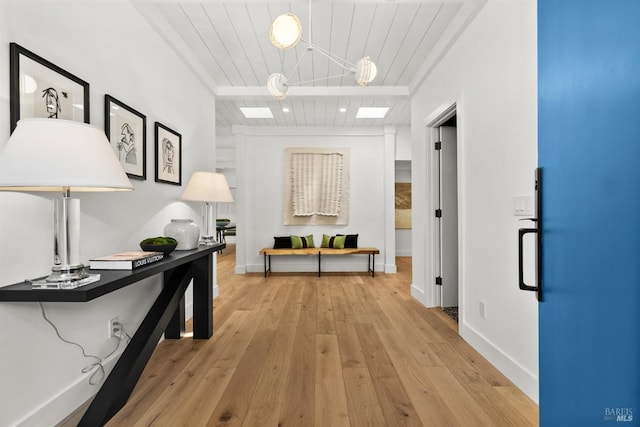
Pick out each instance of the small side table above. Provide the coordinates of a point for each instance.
(222, 231)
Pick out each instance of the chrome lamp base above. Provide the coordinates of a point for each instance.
(208, 240)
(67, 273)
(58, 280)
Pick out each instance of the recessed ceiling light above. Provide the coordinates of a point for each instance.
(285, 110)
(371, 112)
(343, 110)
(257, 112)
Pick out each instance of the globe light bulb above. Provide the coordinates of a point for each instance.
(285, 31)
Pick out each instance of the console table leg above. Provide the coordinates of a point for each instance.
(203, 297)
(175, 330)
(118, 386)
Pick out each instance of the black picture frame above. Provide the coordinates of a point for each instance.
(126, 130)
(168, 155)
(39, 88)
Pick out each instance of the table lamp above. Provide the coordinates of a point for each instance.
(61, 156)
(207, 187)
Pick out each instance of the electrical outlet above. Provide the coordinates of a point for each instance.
(114, 331)
(483, 309)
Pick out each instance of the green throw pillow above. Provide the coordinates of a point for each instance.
(336, 242)
(300, 242)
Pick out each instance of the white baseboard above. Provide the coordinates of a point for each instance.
(282, 267)
(521, 377)
(390, 269)
(241, 269)
(63, 404)
(406, 252)
(418, 294)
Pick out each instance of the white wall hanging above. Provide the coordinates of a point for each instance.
(316, 186)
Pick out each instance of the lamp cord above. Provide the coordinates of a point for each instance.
(99, 373)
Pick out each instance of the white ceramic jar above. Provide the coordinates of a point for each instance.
(185, 231)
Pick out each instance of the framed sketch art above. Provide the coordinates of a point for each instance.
(126, 129)
(168, 155)
(39, 88)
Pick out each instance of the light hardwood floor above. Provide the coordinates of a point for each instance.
(341, 350)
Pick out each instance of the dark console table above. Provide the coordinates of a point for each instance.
(165, 316)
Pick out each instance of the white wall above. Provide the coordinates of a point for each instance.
(113, 48)
(403, 143)
(260, 194)
(226, 165)
(491, 74)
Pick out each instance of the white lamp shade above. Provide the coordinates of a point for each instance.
(207, 187)
(285, 31)
(53, 155)
(277, 85)
(366, 71)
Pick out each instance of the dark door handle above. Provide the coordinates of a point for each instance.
(523, 286)
(538, 231)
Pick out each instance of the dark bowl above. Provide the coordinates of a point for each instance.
(222, 223)
(166, 249)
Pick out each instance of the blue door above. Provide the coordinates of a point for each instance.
(589, 152)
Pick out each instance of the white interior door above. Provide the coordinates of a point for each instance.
(449, 220)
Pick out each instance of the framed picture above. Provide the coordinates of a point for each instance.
(168, 155)
(403, 205)
(126, 129)
(39, 88)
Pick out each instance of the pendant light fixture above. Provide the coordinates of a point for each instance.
(286, 32)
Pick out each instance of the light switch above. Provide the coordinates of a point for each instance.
(523, 205)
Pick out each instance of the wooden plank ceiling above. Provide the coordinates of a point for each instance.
(226, 44)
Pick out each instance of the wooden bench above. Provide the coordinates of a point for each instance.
(371, 252)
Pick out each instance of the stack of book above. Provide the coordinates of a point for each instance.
(125, 260)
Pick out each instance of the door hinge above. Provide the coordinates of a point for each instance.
(438, 213)
(438, 145)
(439, 281)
